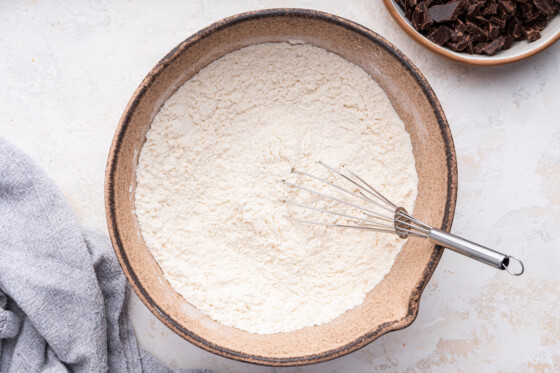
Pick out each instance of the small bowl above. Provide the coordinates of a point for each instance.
(518, 51)
(393, 303)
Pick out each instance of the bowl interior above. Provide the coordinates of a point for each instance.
(393, 303)
(518, 51)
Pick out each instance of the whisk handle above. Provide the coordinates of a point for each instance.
(474, 251)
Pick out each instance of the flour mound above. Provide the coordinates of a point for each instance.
(209, 196)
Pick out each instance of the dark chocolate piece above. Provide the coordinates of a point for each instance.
(490, 9)
(475, 31)
(508, 42)
(507, 8)
(421, 17)
(440, 35)
(543, 6)
(492, 31)
(498, 21)
(531, 15)
(526, 7)
(540, 22)
(410, 4)
(473, 10)
(532, 33)
(494, 46)
(479, 47)
(457, 35)
(462, 44)
(517, 31)
(470, 48)
(445, 12)
(459, 25)
(479, 20)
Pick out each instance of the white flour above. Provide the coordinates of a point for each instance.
(208, 197)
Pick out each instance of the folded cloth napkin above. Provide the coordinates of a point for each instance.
(62, 293)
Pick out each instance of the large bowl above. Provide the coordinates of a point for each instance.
(393, 303)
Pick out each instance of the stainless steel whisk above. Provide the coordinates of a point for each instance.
(395, 219)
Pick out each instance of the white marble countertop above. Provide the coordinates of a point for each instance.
(68, 69)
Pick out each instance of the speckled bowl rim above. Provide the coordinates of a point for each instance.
(463, 57)
(110, 203)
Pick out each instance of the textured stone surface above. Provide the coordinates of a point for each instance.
(68, 70)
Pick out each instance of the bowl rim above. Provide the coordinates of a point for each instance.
(110, 203)
(472, 59)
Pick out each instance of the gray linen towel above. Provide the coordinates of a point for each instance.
(62, 292)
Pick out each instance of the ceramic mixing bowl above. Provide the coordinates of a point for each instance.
(393, 303)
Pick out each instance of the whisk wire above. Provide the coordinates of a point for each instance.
(367, 221)
(373, 190)
(341, 188)
(412, 225)
(363, 209)
(413, 219)
(342, 225)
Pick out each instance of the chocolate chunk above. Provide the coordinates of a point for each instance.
(526, 7)
(421, 18)
(531, 15)
(532, 33)
(492, 31)
(543, 6)
(440, 35)
(498, 21)
(508, 42)
(460, 45)
(540, 23)
(445, 12)
(410, 4)
(470, 48)
(408, 13)
(489, 9)
(474, 10)
(456, 35)
(479, 20)
(517, 31)
(459, 25)
(507, 8)
(480, 26)
(474, 30)
(479, 47)
(494, 46)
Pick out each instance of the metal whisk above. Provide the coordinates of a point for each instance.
(389, 218)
